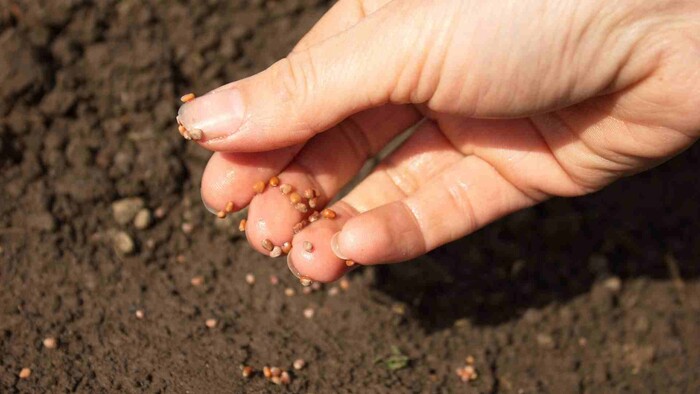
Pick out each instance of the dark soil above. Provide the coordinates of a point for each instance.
(88, 94)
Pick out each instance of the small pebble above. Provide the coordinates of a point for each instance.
(49, 342)
(289, 292)
(313, 202)
(143, 219)
(24, 373)
(301, 207)
(294, 198)
(328, 213)
(286, 247)
(247, 371)
(187, 97)
(267, 244)
(276, 252)
(197, 281)
(285, 188)
(229, 207)
(250, 279)
(210, 323)
(259, 187)
(309, 313)
(139, 314)
(308, 246)
(299, 364)
(242, 224)
(274, 181)
(274, 280)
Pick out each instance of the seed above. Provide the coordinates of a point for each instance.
(308, 246)
(266, 372)
(49, 342)
(313, 202)
(285, 378)
(285, 188)
(241, 225)
(309, 313)
(221, 214)
(295, 198)
(276, 252)
(309, 193)
(314, 216)
(187, 97)
(328, 213)
(333, 291)
(275, 371)
(195, 134)
(289, 292)
(307, 290)
(316, 286)
(229, 207)
(301, 207)
(267, 244)
(160, 213)
(274, 280)
(197, 281)
(299, 364)
(299, 226)
(210, 323)
(286, 247)
(349, 263)
(470, 360)
(187, 228)
(344, 284)
(24, 373)
(182, 130)
(305, 281)
(181, 259)
(274, 181)
(250, 279)
(276, 380)
(259, 187)
(139, 314)
(247, 371)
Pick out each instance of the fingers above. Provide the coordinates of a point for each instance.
(309, 91)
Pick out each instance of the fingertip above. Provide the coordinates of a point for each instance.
(311, 254)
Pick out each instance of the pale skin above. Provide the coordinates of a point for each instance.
(518, 101)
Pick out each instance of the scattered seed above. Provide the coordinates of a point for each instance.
(274, 280)
(197, 281)
(309, 313)
(295, 198)
(49, 342)
(286, 247)
(307, 290)
(259, 187)
(299, 364)
(266, 372)
(221, 214)
(139, 314)
(187, 97)
(470, 360)
(316, 286)
(229, 207)
(275, 371)
(467, 374)
(285, 378)
(195, 134)
(314, 216)
(267, 244)
(250, 279)
(309, 193)
(159, 213)
(276, 380)
(286, 188)
(308, 246)
(328, 213)
(289, 292)
(274, 181)
(210, 323)
(333, 291)
(187, 228)
(181, 259)
(313, 202)
(24, 373)
(349, 263)
(276, 252)
(241, 225)
(247, 371)
(344, 284)
(305, 281)
(301, 207)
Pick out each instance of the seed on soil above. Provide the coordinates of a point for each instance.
(294, 198)
(309, 313)
(276, 252)
(275, 371)
(349, 263)
(187, 97)
(285, 378)
(187, 228)
(289, 292)
(125, 210)
(210, 323)
(286, 188)
(181, 259)
(241, 225)
(305, 281)
(344, 284)
(24, 373)
(308, 246)
(313, 202)
(229, 207)
(467, 373)
(274, 181)
(316, 286)
(247, 371)
(309, 194)
(139, 314)
(250, 279)
(328, 213)
(274, 280)
(259, 187)
(276, 380)
(267, 244)
(333, 291)
(197, 281)
(470, 360)
(221, 214)
(266, 372)
(143, 219)
(307, 290)
(49, 342)
(301, 207)
(286, 247)
(299, 364)
(123, 243)
(160, 212)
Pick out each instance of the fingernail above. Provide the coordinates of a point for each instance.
(217, 114)
(204, 202)
(336, 248)
(291, 266)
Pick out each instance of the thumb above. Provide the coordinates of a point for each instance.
(311, 90)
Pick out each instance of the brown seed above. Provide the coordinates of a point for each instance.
(344, 284)
(267, 244)
(313, 202)
(229, 207)
(241, 225)
(210, 323)
(285, 378)
(266, 372)
(275, 371)
(221, 214)
(309, 313)
(316, 286)
(274, 181)
(470, 360)
(315, 215)
(250, 279)
(259, 187)
(276, 252)
(286, 247)
(187, 228)
(187, 97)
(197, 281)
(308, 246)
(299, 226)
(309, 193)
(247, 371)
(24, 373)
(328, 213)
(182, 130)
(333, 291)
(295, 198)
(289, 292)
(285, 188)
(307, 290)
(49, 342)
(139, 314)
(274, 280)
(299, 364)
(305, 281)
(195, 134)
(276, 380)
(349, 263)
(301, 207)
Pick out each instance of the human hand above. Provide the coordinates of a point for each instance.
(523, 100)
